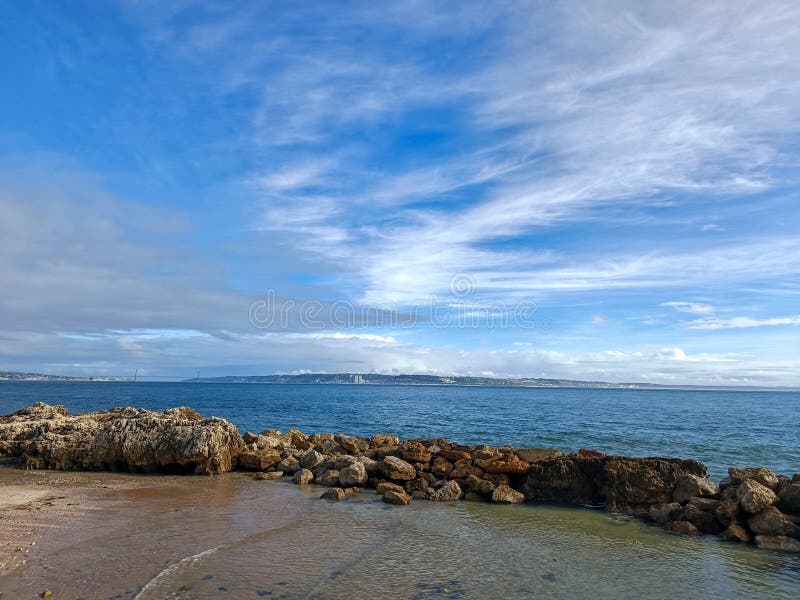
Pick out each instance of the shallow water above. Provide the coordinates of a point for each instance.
(719, 428)
(232, 537)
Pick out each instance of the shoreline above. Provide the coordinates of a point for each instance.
(751, 506)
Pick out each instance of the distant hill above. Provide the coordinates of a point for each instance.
(377, 379)
(17, 376)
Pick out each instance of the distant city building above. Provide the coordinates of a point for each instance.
(357, 379)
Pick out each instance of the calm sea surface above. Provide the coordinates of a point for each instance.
(719, 428)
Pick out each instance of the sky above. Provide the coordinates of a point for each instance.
(590, 190)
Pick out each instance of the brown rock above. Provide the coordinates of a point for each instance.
(533, 455)
(729, 512)
(464, 468)
(706, 504)
(704, 521)
(664, 513)
(755, 497)
(478, 485)
(504, 494)
(760, 474)
(771, 521)
(310, 459)
(351, 445)
(455, 455)
(385, 486)
(395, 497)
(485, 453)
(584, 453)
(289, 465)
(736, 533)
(329, 478)
(789, 499)
(267, 476)
(414, 452)
(777, 542)
(688, 486)
(510, 465)
(354, 475)
(397, 469)
(682, 527)
(449, 492)
(383, 439)
(335, 494)
(303, 476)
(258, 460)
(441, 466)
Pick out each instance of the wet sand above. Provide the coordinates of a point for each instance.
(106, 535)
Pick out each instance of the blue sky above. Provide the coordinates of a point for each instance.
(628, 168)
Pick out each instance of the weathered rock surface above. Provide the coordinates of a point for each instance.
(755, 497)
(664, 513)
(267, 476)
(789, 499)
(448, 492)
(777, 542)
(397, 469)
(395, 497)
(504, 494)
(771, 521)
(335, 494)
(760, 474)
(689, 486)
(354, 475)
(303, 476)
(682, 527)
(258, 460)
(177, 440)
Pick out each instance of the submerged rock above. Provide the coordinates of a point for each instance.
(177, 440)
(777, 542)
(395, 497)
(335, 494)
(682, 527)
(771, 521)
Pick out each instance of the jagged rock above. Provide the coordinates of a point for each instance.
(509, 464)
(303, 476)
(485, 452)
(289, 465)
(177, 440)
(789, 499)
(464, 468)
(330, 478)
(533, 455)
(383, 439)
(267, 476)
(795, 478)
(503, 494)
(777, 542)
(755, 497)
(455, 455)
(441, 466)
(311, 458)
(249, 438)
(335, 494)
(258, 460)
(343, 461)
(706, 504)
(395, 497)
(386, 486)
(771, 521)
(704, 521)
(736, 533)
(689, 486)
(664, 513)
(398, 469)
(414, 452)
(728, 512)
(479, 486)
(370, 465)
(682, 527)
(448, 492)
(352, 445)
(760, 474)
(354, 475)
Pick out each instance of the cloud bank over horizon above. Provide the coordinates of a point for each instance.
(628, 169)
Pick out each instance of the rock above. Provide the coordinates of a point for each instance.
(478, 485)
(704, 521)
(258, 460)
(455, 455)
(463, 469)
(264, 476)
(311, 458)
(777, 542)
(343, 461)
(414, 452)
(351, 445)
(509, 464)
(177, 440)
(688, 486)
(303, 476)
(485, 452)
(397, 469)
(395, 497)
(335, 494)
(796, 478)
(728, 512)
(755, 497)
(370, 465)
(584, 453)
(329, 477)
(789, 499)
(771, 521)
(533, 455)
(441, 466)
(706, 504)
(664, 513)
(354, 475)
(386, 486)
(504, 494)
(760, 474)
(449, 492)
(635, 484)
(736, 533)
(682, 527)
(289, 465)
(249, 438)
(383, 439)
(565, 480)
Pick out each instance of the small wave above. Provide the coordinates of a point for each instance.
(175, 566)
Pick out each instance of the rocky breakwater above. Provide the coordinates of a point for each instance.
(177, 440)
(752, 506)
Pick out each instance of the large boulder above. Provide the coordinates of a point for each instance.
(395, 497)
(258, 460)
(777, 542)
(773, 522)
(311, 458)
(448, 492)
(760, 474)
(510, 464)
(533, 455)
(504, 494)
(664, 513)
(789, 499)
(177, 440)
(755, 497)
(689, 486)
(354, 475)
(397, 469)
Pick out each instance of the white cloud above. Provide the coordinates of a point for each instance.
(741, 322)
(694, 308)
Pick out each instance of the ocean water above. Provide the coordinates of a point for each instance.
(719, 428)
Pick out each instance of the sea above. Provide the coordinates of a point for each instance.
(232, 537)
